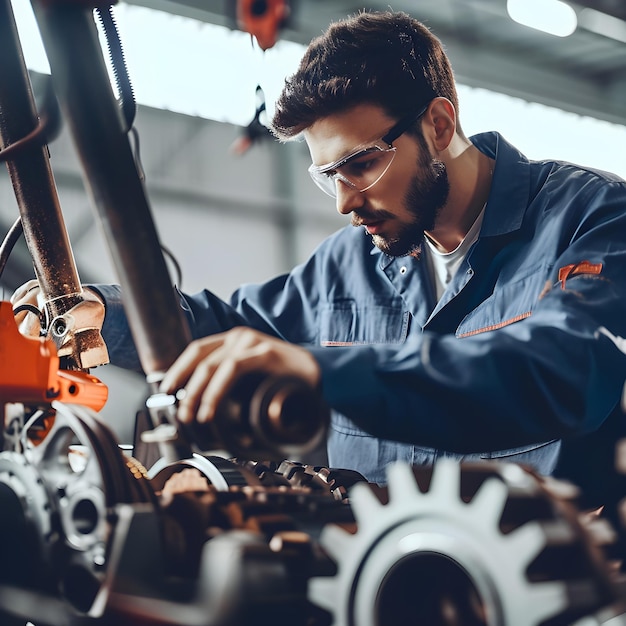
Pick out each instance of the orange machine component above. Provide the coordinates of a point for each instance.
(29, 371)
(262, 19)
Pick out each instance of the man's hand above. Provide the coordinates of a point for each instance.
(209, 367)
(28, 301)
(25, 300)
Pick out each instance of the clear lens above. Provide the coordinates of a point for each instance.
(360, 170)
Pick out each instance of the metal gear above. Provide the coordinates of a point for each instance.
(460, 545)
(28, 535)
(59, 498)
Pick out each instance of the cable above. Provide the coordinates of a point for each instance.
(30, 308)
(175, 263)
(118, 65)
(9, 242)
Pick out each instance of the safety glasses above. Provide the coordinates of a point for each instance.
(362, 168)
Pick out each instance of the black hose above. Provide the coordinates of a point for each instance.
(118, 65)
(10, 239)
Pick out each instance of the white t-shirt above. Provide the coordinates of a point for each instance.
(444, 265)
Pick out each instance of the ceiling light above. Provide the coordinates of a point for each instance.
(550, 16)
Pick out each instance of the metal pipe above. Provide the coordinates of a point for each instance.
(93, 115)
(31, 176)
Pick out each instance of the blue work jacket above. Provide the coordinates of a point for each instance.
(509, 364)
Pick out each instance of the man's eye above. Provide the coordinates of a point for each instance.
(360, 166)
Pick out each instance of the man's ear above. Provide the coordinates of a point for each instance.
(441, 121)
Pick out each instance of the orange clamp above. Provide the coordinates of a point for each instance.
(29, 370)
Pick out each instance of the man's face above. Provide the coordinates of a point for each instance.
(397, 209)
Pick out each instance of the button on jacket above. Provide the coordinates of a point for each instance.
(511, 363)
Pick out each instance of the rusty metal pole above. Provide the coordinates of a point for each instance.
(93, 115)
(156, 320)
(36, 193)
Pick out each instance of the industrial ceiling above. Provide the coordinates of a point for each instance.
(584, 73)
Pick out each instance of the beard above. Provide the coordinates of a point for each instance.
(427, 194)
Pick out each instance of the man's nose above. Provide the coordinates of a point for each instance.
(348, 198)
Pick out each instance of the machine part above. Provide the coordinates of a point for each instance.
(480, 545)
(29, 370)
(107, 469)
(247, 555)
(279, 418)
(92, 114)
(337, 482)
(262, 416)
(472, 545)
(267, 417)
(159, 436)
(64, 487)
(223, 495)
(26, 524)
(606, 617)
(220, 473)
(241, 581)
(83, 320)
(36, 194)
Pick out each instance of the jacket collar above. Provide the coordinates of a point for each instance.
(508, 197)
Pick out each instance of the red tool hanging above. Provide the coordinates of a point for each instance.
(262, 19)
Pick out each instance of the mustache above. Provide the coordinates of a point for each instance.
(359, 218)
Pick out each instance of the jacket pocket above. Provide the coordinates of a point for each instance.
(346, 324)
(510, 302)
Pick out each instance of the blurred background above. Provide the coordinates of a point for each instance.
(232, 205)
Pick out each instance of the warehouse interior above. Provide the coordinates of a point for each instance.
(261, 202)
(231, 206)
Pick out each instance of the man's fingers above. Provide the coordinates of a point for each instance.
(23, 290)
(211, 380)
(208, 368)
(185, 365)
(24, 302)
(226, 368)
(195, 386)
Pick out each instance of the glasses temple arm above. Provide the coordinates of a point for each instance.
(404, 124)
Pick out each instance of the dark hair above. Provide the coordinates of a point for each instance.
(382, 58)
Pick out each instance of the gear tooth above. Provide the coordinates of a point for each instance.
(491, 496)
(364, 503)
(334, 538)
(601, 532)
(322, 591)
(544, 600)
(523, 589)
(401, 482)
(582, 593)
(558, 533)
(447, 477)
(528, 540)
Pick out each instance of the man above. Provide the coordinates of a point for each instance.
(471, 310)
